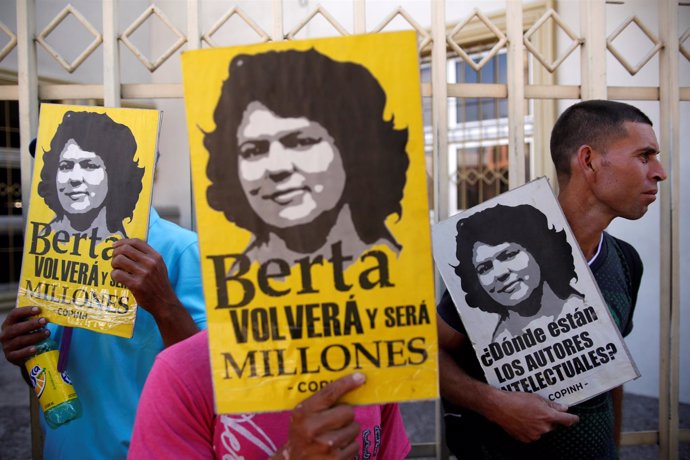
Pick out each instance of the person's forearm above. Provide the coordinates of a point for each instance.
(174, 323)
(524, 416)
(462, 390)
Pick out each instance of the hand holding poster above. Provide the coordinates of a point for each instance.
(529, 303)
(308, 171)
(92, 181)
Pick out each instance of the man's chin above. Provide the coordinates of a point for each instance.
(637, 215)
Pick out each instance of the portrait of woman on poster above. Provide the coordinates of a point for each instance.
(514, 264)
(90, 178)
(303, 157)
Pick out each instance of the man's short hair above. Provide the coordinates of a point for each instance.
(593, 123)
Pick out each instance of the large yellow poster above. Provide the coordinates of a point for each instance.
(92, 180)
(313, 219)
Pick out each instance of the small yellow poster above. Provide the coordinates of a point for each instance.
(313, 219)
(92, 181)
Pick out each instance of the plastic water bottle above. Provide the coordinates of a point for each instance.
(53, 389)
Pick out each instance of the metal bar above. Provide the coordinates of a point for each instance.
(516, 95)
(9, 92)
(277, 32)
(464, 90)
(83, 92)
(439, 111)
(359, 16)
(27, 76)
(111, 55)
(129, 91)
(497, 90)
(633, 93)
(194, 42)
(638, 438)
(593, 54)
(157, 90)
(543, 111)
(28, 91)
(439, 105)
(552, 92)
(669, 282)
(628, 93)
(193, 26)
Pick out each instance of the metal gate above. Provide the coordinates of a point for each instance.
(536, 39)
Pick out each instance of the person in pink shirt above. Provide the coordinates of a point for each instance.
(176, 419)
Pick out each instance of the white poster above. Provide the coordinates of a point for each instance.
(527, 298)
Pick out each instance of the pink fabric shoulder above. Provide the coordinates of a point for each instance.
(176, 418)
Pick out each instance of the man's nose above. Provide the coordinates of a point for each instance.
(658, 171)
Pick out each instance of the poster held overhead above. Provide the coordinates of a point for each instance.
(529, 303)
(311, 204)
(92, 183)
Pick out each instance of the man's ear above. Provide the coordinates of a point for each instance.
(586, 160)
